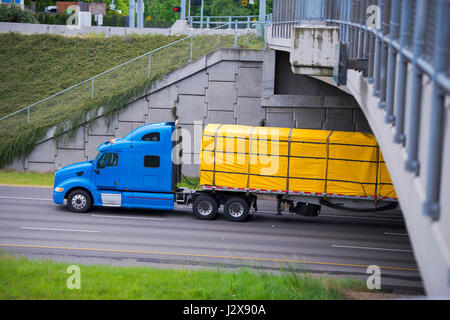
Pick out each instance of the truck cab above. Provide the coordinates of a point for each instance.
(140, 170)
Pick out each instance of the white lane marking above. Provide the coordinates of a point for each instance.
(364, 218)
(395, 234)
(371, 248)
(25, 198)
(57, 229)
(122, 217)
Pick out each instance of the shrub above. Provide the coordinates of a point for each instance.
(115, 21)
(13, 13)
(41, 4)
(50, 19)
(41, 18)
(62, 18)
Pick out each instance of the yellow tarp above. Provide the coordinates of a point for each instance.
(298, 160)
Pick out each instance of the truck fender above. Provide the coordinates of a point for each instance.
(82, 183)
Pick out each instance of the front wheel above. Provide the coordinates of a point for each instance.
(79, 201)
(236, 209)
(205, 207)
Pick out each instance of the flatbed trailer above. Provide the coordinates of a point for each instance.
(301, 169)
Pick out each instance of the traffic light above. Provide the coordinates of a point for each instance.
(177, 9)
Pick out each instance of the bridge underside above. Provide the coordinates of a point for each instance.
(428, 222)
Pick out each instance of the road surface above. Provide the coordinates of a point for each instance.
(336, 243)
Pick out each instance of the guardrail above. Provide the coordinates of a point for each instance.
(414, 32)
(409, 32)
(392, 34)
(240, 22)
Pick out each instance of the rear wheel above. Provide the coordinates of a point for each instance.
(79, 201)
(205, 207)
(236, 209)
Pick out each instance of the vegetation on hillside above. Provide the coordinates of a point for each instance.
(35, 66)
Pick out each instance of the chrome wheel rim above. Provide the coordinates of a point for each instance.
(205, 208)
(236, 209)
(78, 201)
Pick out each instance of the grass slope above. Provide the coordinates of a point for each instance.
(33, 67)
(21, 278)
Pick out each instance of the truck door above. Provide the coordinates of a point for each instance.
(151, 170)
(107, 172)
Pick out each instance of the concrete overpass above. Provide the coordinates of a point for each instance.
(394, 61)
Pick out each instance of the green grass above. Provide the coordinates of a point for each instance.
(21, 278)
(33, 67)
(9, 177)
(191, 183)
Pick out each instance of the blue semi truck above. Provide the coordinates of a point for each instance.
(142, 170)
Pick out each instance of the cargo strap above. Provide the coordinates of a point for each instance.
(376, 181)
(289, 160)
(250, 140)
(328, 157)
(215, 151)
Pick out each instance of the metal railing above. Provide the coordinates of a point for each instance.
(288, 13)
(283, 29)
(407, 33)
(240, 22)
(139, 68)
(412, 33)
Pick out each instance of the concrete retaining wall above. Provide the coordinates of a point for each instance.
(64, 30)
(227, 86)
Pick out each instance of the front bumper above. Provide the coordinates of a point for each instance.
(58, 197)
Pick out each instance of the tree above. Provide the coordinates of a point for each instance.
(228, 8)
(161, 12)
(13, 13)
(122, 5)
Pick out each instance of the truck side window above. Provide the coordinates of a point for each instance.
(101, 164)
(152, 136)
(113, 159)
(151, 161)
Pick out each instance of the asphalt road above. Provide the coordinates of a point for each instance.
(337, 243)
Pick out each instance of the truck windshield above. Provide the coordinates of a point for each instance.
(101, 163)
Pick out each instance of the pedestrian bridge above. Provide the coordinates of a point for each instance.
(392, 56)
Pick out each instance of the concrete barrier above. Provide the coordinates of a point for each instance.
(65, 30)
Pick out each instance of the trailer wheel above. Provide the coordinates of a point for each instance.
(79, 201)
(205, 207)
(236, 209)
